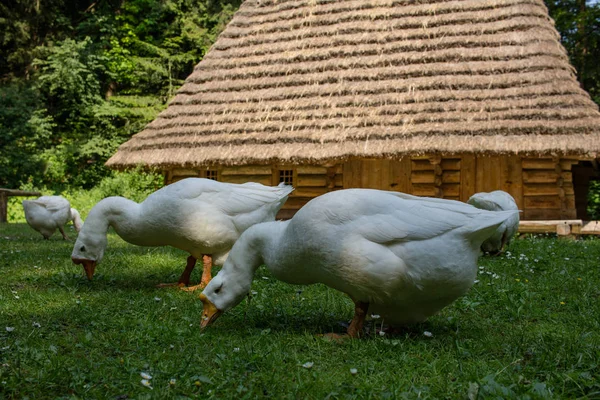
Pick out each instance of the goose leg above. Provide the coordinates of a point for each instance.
(62, 232)
(184, 279)
(356, 325)
(206, 274)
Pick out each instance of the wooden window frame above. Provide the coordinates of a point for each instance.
(285, 168)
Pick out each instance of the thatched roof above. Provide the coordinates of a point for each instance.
(315, 80)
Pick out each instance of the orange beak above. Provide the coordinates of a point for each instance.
(89, 266)
(210, 313)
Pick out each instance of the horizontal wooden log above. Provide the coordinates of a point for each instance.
(542, 202)
(262, 179)
(451, 177)
(424, 190)
(540, 176)
(541, 214)
(311, 169)
(450, 164)
(540, 189)
(538, 163)
(562, 227)
(20, 193)
(311, 180)
(590, 228)
(421, 165)
(185, 172)
(247, 170)
(309, 191)
(451, 190)
(422, 177)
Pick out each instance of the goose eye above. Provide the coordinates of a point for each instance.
(217, 290)
(82, 248)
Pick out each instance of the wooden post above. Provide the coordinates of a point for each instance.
(5, 194)
(3, 207)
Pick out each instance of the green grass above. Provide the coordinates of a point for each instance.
(531, 332)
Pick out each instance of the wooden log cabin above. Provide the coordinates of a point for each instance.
(433, 98)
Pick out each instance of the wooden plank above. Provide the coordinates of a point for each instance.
(247, 170)
(400, 172)
(451, 190)
(352, 171)
(537, 163)
(540, 189)
(468, 166)
(311, 180)
(540, 176)
(424, 190)
(591, 228)
(181, 172)
(422, 177)
(371, 174)
(541, 214)
(296, 202)
(311, 169)
(451, 176)
(489, 174)
(421, 165)
(450, 164)
(513, 178)
(542, 202)
(309, 191)
(262, 179)
(550, 226)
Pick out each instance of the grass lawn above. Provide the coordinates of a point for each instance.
(530, 328)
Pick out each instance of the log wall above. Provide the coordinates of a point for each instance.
(542, 187)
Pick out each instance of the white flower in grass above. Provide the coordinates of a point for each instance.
(428, 334)
(567, 258)
(381, 333)
(308, 365)
(36, 325)
(476, 281)
(254, 293)
(265, 278)
(145, 375)
(17, 297)
(157, 299)
(375, 316)
(353, 371)
(10, 328)
(146, 383)
(236, 349)
(172, 382)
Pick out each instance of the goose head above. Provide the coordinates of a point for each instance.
(223, 292)
(88, 251)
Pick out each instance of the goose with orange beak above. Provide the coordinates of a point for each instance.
(396, 255)
(200, 216)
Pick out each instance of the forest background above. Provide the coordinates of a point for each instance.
(80, 77)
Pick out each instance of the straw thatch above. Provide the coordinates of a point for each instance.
(315, 80)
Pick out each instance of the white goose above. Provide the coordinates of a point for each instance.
(46, 214)
(399, 256)
(497, 200)
(200, 216)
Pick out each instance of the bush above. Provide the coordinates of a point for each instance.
(594, 200)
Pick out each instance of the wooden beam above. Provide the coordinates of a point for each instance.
(5, 194)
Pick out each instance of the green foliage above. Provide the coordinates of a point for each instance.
(92, 75)
(593, 209)
(25, 129)
(530, 329)
(578, 22)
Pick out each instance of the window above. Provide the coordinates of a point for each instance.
(212, 174)
(286, 176)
